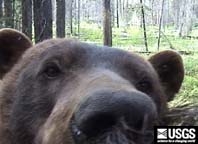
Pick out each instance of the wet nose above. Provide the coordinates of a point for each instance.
(102, 111)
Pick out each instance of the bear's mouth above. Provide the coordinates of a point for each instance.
(121, 133)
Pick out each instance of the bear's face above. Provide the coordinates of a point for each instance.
(64, 91)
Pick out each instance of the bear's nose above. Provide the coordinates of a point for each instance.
(101, 111)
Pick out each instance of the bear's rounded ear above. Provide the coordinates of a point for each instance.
(170, 69)
(12, 45)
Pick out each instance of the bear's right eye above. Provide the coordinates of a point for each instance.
(52, 71)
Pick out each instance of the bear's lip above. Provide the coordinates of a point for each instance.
(145, 136)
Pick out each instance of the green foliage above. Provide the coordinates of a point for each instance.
(131, 38)
(91, 33)
(189, 90)
(191, 65)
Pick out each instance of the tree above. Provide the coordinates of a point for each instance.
(60, 18)
(79, 18)
(27, 17)
(1, 8)
(112, 13)
(160, 25)
(177, 8)
(1, 13)
(144, 25)
(75, 17)
(117, 14)
(8, 13)
(107, 28)
(42, 19)
(187, 17)
(152, 12)
(71, 16)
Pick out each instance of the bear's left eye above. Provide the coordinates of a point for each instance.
(52, 71)
(144, 86)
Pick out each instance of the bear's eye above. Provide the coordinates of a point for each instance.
(144, 85)
(52, 71)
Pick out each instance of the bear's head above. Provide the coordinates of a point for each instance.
(63, 91)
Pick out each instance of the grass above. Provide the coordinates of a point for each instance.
(131, 38)
(189, 91)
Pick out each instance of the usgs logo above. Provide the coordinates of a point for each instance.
(176, 135)
(181, 133)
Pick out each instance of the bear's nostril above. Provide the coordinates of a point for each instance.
(97, 124)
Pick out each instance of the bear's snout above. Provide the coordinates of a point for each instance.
(103, 111)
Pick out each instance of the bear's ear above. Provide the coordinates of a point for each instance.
(12, 45)
(170, 69)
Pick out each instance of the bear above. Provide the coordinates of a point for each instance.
(63, 91)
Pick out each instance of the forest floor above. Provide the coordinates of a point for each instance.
(189, 91)
(131, 39)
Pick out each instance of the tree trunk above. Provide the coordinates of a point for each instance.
(123, 7)
(42, 19)
(117, 13)
(60, 18)
(8, 9)
(27, 17)
(71, 17)
(1, 13)
(121, 12)
(144, 25)
(1, 8)
(112, 3)
(74, 19)
(152, 13)
(160, 25)
(188, 18)
(177, 8)
(78, 18)
(107, 29)
(13, 14)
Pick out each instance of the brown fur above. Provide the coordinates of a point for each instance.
(13, 44)
(169, 62)
(56, 128)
